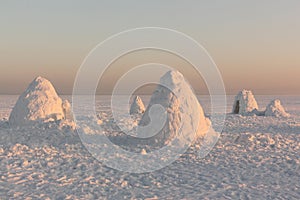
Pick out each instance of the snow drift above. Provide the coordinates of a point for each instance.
(275, 109)
(137, 106)
(244, 103)
(39, 103)
(180, 110)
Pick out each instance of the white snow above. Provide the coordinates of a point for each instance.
(39, 102)
(137, 106)
(182, 108)
(276, 109)
(143, 152)
(244, 103)
(67, 110)
(256, 157)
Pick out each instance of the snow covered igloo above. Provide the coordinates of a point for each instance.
(39, 102)
(244, 103)
(183, 109)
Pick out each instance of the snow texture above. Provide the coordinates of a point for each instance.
(256, 157)
(275, 109)
(177, 108)
(137, 106)
(244, 103)
(39, 102)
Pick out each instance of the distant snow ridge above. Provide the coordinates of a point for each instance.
(39, 103)
(137, 106)
(244, 103)
(182, 110)
(275, 109)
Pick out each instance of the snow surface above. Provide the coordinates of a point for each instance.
(39, 102)
(137, 106)
(257, 157)
(244, 103)
(276, 109)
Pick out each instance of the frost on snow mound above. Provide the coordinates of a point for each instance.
(137, 106)
(276, 109)
(244, 103)
(180, 110)
(39, 103)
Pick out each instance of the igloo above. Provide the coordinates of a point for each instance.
(275, 109)
(244, 103)
(39, 103)
(184, 113)
(137, 106)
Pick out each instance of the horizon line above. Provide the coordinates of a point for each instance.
(201, 94)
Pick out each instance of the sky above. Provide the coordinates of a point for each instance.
(255, 44)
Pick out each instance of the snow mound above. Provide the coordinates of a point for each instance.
(137, 106)
(67, 109)
(39, 103)
(182, 110)
(275, 109)
(244, 103)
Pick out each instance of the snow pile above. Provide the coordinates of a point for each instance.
(67, 110)
(275, 109)
(244, 103)
(39, 103)
(137, 106)
(182, 110)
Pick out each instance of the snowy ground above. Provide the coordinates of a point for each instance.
(255, 158)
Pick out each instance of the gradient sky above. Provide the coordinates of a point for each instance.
(255, 44)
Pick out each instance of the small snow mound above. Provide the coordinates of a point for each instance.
(39, 103)
(275, 109)
(137, 106)
(143, 152)
(67, 110)
(244, 103)
(182, 109)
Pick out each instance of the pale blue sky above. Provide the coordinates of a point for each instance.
(255, 44)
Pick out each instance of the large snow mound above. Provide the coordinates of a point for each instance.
(244, 103)
(39, 103)
(275, 109)
(182, 111)
(137, 106)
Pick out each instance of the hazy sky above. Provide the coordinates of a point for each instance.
(256, 44)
